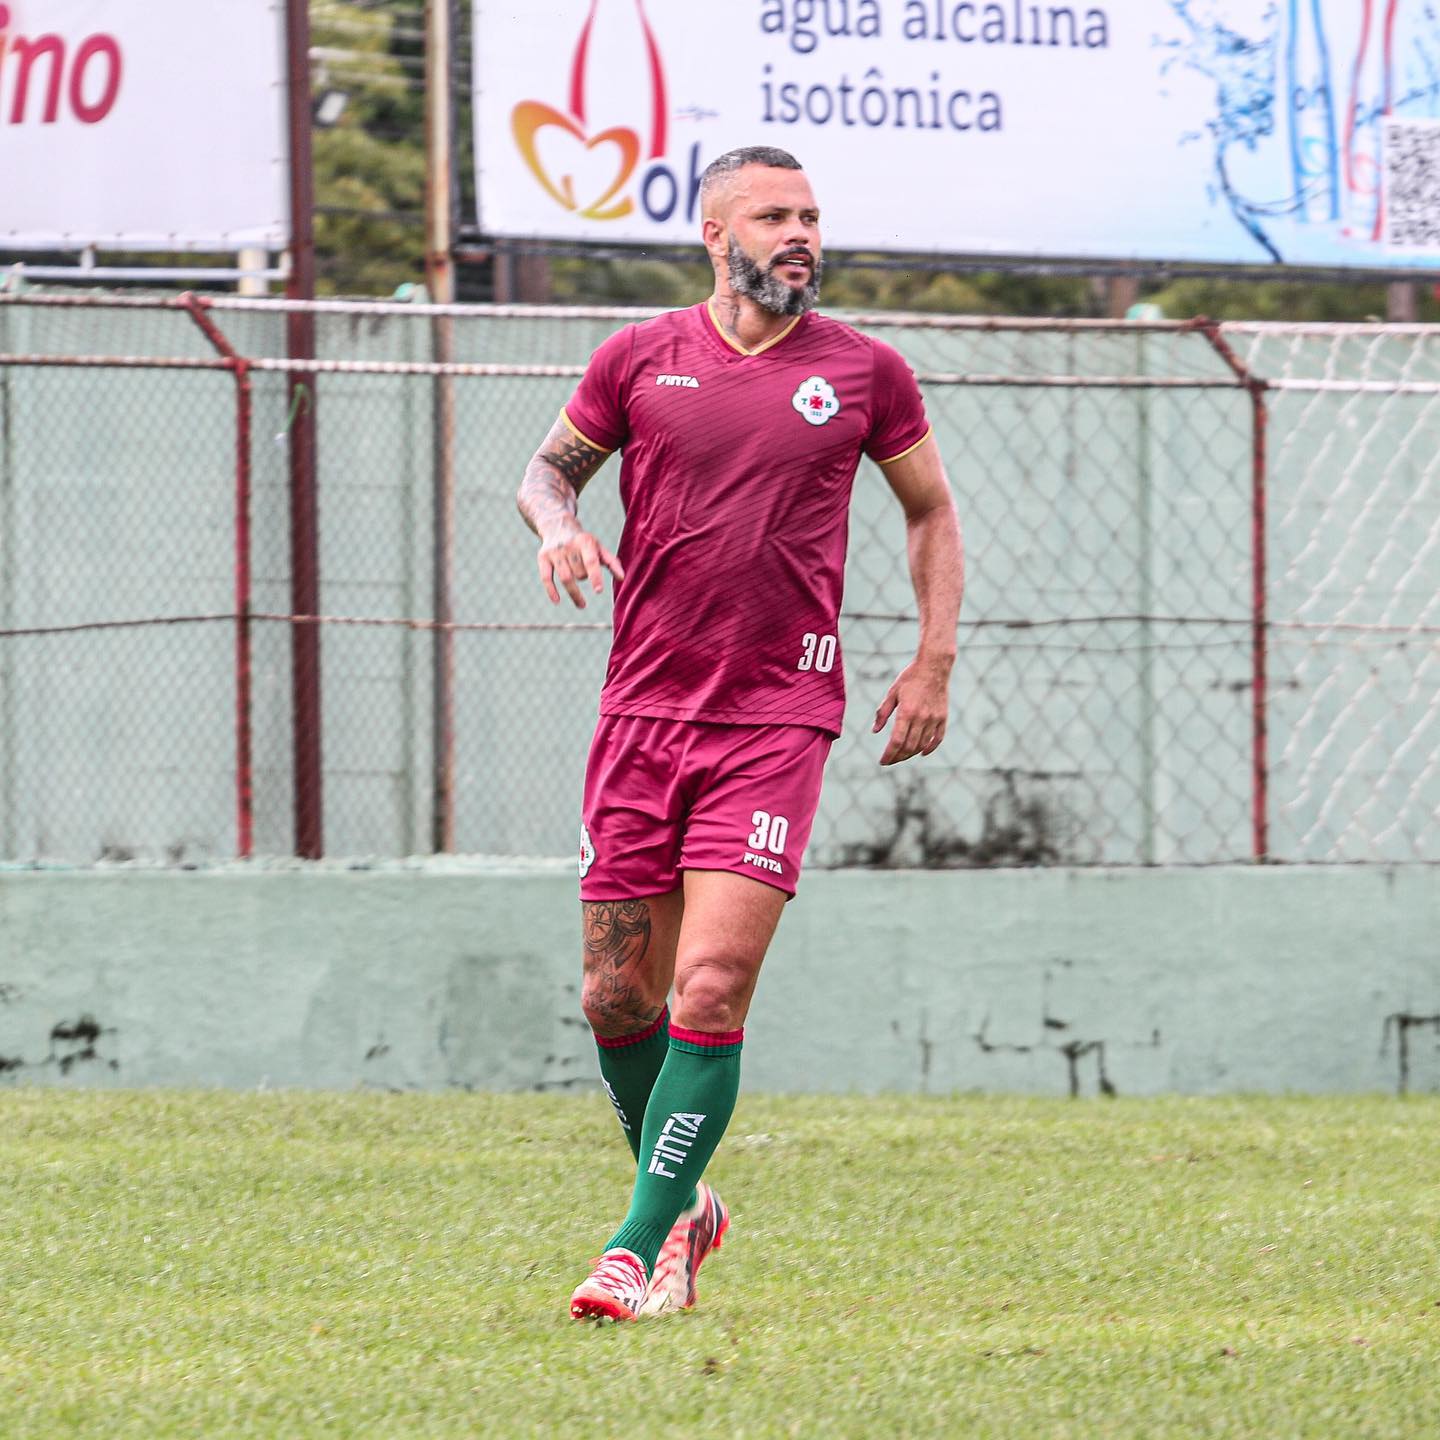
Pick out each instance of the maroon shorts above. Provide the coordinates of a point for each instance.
(664, 796)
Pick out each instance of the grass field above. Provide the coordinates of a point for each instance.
(291, 1265)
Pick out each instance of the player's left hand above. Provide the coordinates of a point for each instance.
(920, 702)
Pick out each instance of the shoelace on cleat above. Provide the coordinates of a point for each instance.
(672, 1258)
(676, 1249)
(620, 1273)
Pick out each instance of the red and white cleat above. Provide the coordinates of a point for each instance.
(694, 1235)
(615, 1289)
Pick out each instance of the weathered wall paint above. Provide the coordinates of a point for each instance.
(1042, 981)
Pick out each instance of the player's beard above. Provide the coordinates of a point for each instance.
(766, 288)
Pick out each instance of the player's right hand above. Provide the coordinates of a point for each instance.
(568, 559)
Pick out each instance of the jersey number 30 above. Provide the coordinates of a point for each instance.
(819, 652)
(770, 832)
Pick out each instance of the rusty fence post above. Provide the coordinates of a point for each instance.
(1259, 592)
(305, 682)
(239, 367)
(440, 283)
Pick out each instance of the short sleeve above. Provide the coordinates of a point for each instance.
(596, 412)
(899, 412)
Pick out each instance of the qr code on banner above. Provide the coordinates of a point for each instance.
(1412, 184)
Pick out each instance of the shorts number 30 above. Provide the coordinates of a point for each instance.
(770, 832)
(819, 652)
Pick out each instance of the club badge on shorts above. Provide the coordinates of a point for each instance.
(816, 400)
(587, 852)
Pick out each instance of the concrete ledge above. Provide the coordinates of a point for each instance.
(433, 975)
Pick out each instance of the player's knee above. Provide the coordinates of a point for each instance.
(713, 997)
(615, 1013)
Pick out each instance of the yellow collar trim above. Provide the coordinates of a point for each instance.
(735, 344)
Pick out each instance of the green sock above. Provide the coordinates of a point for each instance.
(690, 1106)
(629, 1066)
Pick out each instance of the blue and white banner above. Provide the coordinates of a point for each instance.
(1297, 132)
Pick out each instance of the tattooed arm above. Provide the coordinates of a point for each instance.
(549, 501)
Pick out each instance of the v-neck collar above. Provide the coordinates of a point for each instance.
(731, 343)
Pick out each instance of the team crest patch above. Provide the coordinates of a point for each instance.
(816, 400)
(587, 852)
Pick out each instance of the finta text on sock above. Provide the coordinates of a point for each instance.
(677, 1135)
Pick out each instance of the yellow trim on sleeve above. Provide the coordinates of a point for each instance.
(735, 344)
(906, 451)
(581, 435)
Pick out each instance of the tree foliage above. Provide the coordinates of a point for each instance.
(370, 163)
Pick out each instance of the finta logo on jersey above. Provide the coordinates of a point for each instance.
(816, 400)
(676, 1137)
(688, 381)
(88, 78)
(610, 196)
(763, 862)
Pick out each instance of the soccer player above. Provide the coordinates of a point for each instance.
(742, 422)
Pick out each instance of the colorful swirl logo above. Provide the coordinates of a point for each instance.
(531, 119)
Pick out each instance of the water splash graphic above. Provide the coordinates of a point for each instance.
(1243, 71)
(1301, 91)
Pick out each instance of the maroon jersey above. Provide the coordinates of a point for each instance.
(736, 478)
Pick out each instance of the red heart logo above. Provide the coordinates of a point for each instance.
(532, 116)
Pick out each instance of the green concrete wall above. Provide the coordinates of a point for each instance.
(434, 975)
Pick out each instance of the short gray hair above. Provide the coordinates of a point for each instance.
(733, 160)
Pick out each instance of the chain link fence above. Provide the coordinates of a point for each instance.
(1201, 623)
(1355, 583)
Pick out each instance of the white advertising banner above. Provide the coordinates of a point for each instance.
(142, 125)
(1238, 132)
